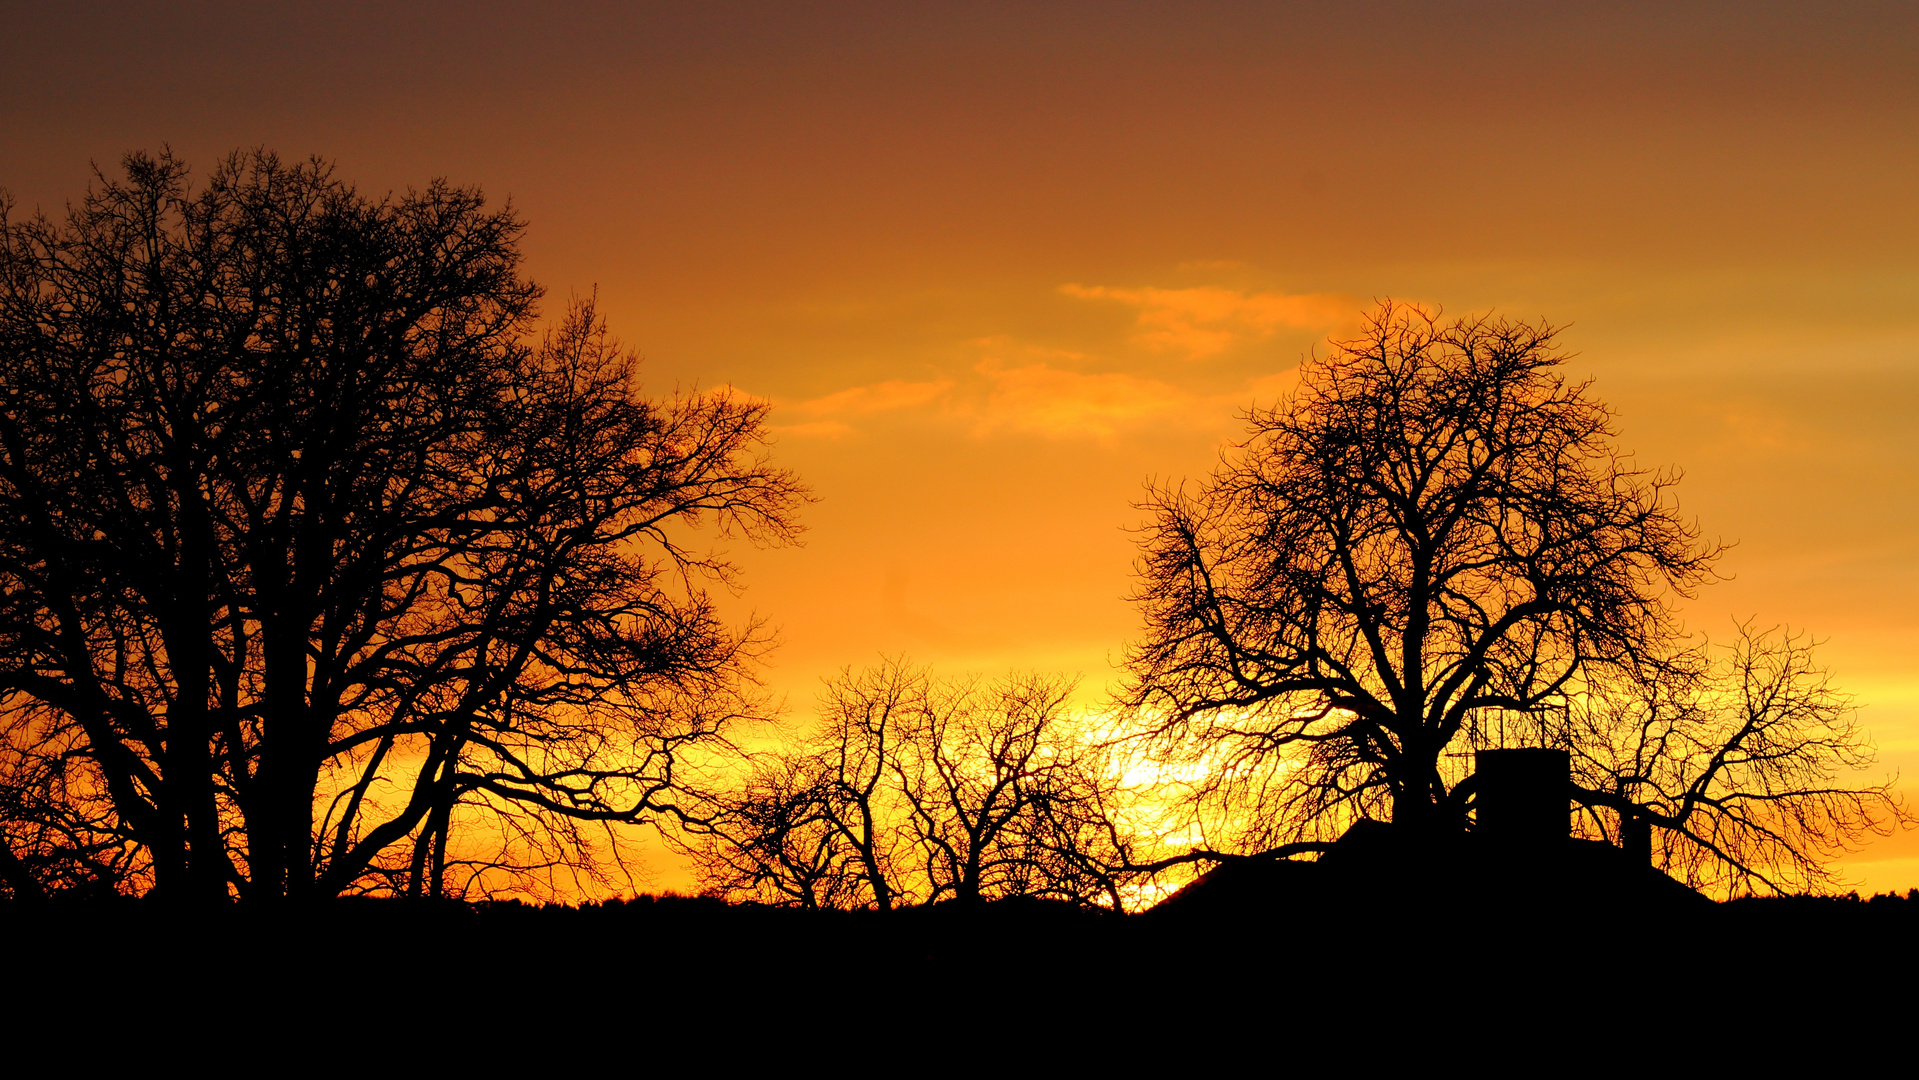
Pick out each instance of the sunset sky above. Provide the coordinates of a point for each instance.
(997, 265)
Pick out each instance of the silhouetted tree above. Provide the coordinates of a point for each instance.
(1002, 802)
(910, 791)
(1725, 766)
(308, 554)
(774, 840)
(1435, 527)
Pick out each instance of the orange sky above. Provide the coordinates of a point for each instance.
(998, 265)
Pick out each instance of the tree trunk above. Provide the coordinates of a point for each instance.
(868, 847)
(1416, 808)
(189, 763)
(279, 818)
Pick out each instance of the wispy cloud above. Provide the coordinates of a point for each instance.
(1018, 387)
(826, 415)
(1204, 321)
(878, 397)
(1029, 394)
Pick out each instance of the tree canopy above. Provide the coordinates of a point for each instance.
(311, 548)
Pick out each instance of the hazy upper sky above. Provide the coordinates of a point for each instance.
(997, 265)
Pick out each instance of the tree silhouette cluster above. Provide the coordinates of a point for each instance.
(910, 790)
(1436, 538)
(313, 556)
(325, 571)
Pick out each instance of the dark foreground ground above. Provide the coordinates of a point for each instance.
(1287, 962)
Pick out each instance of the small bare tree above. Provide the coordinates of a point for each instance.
(1725, 766)
(818, 824)
(916, 791)
(1003, 802)
(776, 843)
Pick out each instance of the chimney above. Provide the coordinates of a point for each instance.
(1522, 795)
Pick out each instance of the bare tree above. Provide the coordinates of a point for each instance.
(911, 791)
(58, 836)
(307, 553)
(820, 824)
(775, 843)
(1726, 767)
(1001, 802)
(1434, 527)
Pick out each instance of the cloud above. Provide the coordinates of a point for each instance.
(1205, 320)
(857, 401)
(1031, 395)
(1024, 388)
(879, 397)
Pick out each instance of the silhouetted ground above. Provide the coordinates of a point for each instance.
(1371, 951)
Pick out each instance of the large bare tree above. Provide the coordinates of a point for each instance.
(1435, 528)
(311, 550)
